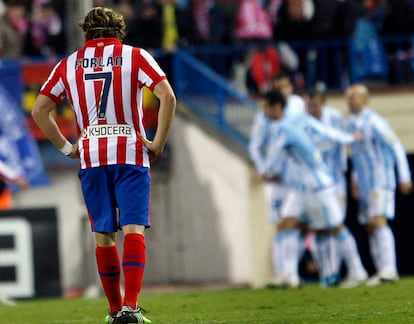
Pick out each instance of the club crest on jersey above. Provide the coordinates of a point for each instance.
(98, 62)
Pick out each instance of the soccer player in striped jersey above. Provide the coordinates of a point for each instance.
(316, 195)
(374, 160)
(334, 156)
(104, 83)
(288, 238)
(261, 135)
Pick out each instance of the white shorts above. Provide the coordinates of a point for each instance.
(321, 209)
(378, 203)
(275, 195)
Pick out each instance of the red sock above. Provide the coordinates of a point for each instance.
(109, 268)
(133, 264)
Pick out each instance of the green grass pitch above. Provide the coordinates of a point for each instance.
(391, 303)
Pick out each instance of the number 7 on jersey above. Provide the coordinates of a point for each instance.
(107, 77)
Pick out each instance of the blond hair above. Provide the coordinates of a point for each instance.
(103, 22)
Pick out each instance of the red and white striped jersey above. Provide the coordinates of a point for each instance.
(104, 83)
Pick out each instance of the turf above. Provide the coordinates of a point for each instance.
(392, 303)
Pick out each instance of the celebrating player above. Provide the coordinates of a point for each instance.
(374, 160)
(315, 195)
(334, 156)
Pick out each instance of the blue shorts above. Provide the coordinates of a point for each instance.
(116, 195)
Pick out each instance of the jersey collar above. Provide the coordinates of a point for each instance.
(99, 42)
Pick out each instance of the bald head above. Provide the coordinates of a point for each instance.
(357, 96)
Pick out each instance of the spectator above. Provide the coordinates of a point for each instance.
(267, 61)
(10, 40)
(18, 17)
(162, 24)
(129, 11)
(211, 21)
(200, 9)
(176, 25)
(46, 37)
(293, 20)
(264, 64)
(148, 24)
(253, 23)
(272, 7)
(177, 30)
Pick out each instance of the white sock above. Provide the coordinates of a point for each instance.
(277, 254)
(312, 250)
(348, 251)
(386, 249)
(323, 251)
(335, 257)
(290, 247)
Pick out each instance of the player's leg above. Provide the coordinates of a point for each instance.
(340, 240)
(288, 241)
(289, 245)
(348, 251)
(344, 245)
(132, 194)
(323, 254)
(95, 184)
(383, 245)
(109, 269)
(320, 220)
(276, 194)
(381, 238)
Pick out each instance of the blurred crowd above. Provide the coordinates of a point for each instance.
(229, 21)
(31, 29)
(37, 27)
(266, 29)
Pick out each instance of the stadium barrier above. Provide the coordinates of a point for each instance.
(335, 62)
(213, 98)
(29, 253)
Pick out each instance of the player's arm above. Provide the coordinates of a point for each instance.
(275, 160)
(384, 132)
(403, 169)
(166, 96)
(257, 141)
(41, 115)
(332, 134)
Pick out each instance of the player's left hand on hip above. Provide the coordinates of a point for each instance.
(154, 150)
